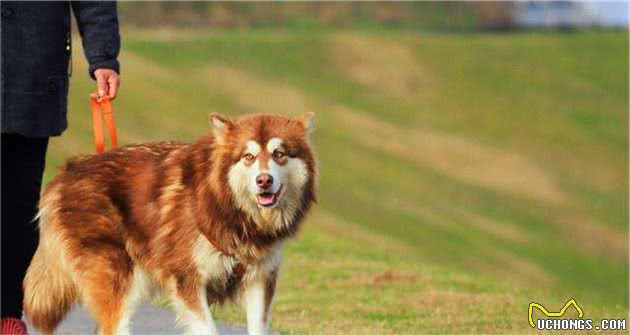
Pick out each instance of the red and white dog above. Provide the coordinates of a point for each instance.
(203, 222)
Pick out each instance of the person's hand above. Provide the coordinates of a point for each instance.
(107, 82)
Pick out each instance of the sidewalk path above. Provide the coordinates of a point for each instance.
(148, 320)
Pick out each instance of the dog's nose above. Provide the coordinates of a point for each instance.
(264, 180)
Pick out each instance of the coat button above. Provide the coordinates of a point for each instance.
(7, 12)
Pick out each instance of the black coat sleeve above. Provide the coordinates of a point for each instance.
(98, 24)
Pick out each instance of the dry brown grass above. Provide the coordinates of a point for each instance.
(336, 226)
(594, 237)
(254, 93)
(457, 157)
(434, 215)
(383, 64)
(503, 230)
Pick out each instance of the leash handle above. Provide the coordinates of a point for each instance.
(102, 109)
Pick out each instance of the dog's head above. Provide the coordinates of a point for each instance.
(272, 168)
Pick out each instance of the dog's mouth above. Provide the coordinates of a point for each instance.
(268, 199)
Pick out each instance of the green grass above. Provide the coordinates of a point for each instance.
(462, 176)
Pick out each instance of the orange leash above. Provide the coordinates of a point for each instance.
(102, 109)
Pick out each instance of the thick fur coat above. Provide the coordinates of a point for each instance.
(202, 222)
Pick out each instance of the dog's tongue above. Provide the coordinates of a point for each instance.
(266, 199)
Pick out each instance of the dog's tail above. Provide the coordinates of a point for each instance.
(49, 291)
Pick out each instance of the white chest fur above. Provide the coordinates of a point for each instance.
(212, 264)
(216, 267)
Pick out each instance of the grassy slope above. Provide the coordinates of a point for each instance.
(463, 176)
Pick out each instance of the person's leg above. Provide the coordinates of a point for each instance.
(23, 160)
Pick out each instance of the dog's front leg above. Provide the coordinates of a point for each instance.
(258, 295)
(191, 306)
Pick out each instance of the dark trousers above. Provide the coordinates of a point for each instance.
(23, 160)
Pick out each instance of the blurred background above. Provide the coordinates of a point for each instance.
(474, 156)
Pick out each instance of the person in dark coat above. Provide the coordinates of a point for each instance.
(36, 52)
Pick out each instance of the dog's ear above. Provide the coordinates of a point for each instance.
(220, 125)
(306, 120)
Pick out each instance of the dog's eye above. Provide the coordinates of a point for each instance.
(249, 157)
(278, 154)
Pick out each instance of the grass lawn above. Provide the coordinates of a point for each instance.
(462, 177)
